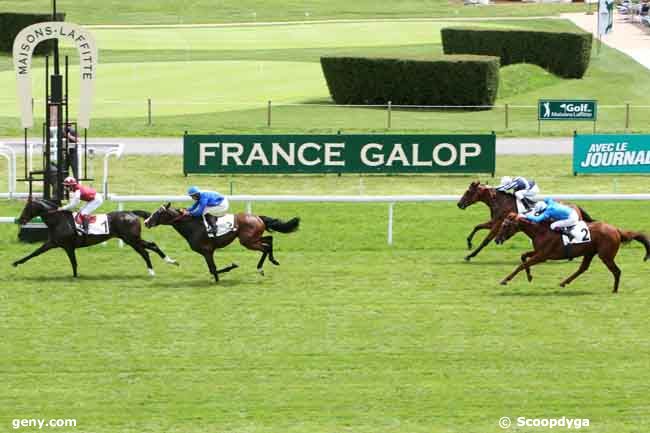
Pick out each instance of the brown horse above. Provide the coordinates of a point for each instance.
(605, 241)
(249, 230)
(500, 204)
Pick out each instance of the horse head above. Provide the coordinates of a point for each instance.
(471, 196)
(35, 208)
(509, 227)
(164, 215)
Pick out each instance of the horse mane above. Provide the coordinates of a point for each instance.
(46, 202)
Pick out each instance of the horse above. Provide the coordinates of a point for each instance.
(63, 234)
(500, 204)
(605, 242)
(248, 228)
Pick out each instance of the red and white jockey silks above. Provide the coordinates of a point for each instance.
(84, 193)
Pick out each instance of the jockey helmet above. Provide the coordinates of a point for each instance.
(193, 190)
(540, 207)
(69, 181)
(505, 180)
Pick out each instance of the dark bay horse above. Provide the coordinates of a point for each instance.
(62, 233)
(605, 242)
(500, 205)
(250, 229)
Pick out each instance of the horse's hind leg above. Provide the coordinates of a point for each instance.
(609, 262)
(143, 253)
(268, 240)
(586, 262)
(260, 244)
(153, 247)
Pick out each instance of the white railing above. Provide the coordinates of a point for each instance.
(391, 200)
(7, 150)
(10, 154)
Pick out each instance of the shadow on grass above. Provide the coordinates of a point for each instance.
(547, 293)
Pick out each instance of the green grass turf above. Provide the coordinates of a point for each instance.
(347, 334)
(223, 78)
(227, 11)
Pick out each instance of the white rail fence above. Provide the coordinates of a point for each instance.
(390, 200)
(8, 150)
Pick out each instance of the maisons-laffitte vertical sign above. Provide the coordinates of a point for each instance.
(23, 50)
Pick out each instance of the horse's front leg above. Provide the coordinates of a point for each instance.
(537, 258)
(484, 226)
(43, 248)
(524, 256)
(211, 265)
(493, 233)
(73, 260)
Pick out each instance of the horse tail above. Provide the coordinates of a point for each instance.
(276, 225)
(628, 236)
(141, 213)
(585, 216)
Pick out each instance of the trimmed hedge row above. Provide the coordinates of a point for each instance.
(12, 23)
(449, 80)
(565, 54)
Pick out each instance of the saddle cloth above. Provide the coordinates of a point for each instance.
(225, 225)
(98, 224)
(580, 233)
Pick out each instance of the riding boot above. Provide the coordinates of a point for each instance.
(212, 224)
(567, 232)
(85, 222)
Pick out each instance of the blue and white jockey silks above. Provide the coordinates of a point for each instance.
(209, 202)
(562, 215)
(520, 186)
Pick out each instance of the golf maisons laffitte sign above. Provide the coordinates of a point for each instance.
(339, 153)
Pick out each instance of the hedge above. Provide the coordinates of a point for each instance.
(449, 80)
(565, 54)
(12, 23)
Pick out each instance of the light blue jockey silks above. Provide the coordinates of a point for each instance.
(554, 211)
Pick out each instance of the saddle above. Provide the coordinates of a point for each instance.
(225, 224)
(97, 224)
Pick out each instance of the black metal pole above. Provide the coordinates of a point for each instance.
(56, 42)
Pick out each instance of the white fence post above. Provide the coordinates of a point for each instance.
(249, 207)
(390, 223)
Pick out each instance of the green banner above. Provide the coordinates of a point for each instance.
(561, 109)
(611, 154)
(338, 154)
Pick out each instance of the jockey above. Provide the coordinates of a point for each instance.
(82, 193)
(524, 189)
(564, 217)
(207, 203)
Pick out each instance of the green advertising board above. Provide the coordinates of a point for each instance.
(338, 154)
(566, 109)
(611, 153)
